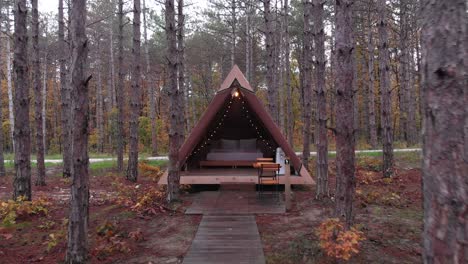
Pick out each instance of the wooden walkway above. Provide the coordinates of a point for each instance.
(226, 239)
(236, 203)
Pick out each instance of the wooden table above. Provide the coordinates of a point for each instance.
(258, 165)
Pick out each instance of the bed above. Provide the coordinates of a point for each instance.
(232, 153)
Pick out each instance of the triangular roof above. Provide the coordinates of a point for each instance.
(216, 105)
(235, 74)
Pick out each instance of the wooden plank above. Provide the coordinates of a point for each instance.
(233, 175)
(226, 239)
(237, 203)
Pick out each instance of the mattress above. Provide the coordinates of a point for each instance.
(234, 155)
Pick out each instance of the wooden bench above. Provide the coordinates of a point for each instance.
(226, 163)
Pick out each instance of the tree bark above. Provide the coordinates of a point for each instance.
(135, 105)
(233, 30)
(173, 168)
(413, 102)
(181, 70)
(99, 98)
(287, 50)
(386, 93)
(78, 247)
(151, 90)
(371, 95)
(11, 113)
(322, 189)
(345, 142)
(112, 96)
(272, 92)
(248, 40)
(120, 91)
(307, 84)
(65, 97)
(445, 168)
(40, 180)
(44, 103)
(2, 140)
(404, 71)
(22, 182)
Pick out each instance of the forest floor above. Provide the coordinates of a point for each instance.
(131, 223)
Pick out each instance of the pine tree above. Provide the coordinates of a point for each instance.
(445, 140)
(78, 244)
(22, 182)
(135, 98)
(345, 142)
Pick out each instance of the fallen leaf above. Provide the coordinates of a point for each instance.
(7, 236)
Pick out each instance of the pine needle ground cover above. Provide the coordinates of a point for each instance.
(130, 222)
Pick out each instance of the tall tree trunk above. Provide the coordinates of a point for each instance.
(110, 92)
(151, 90)
(371, 95)
(44, 104)
(233, 30)
(11, 113)
(404, 71)
(386, 93)
(321, 114)
(287, 50)
(272, 92)
(413, 73)
(37, 95)
(181, 70)
(77, 248)
(2, 141)
(2, 160)
(412, 134)
(22, 182)
(120, 91)
(371, 89)
(99, 98)
(65, 97)
(279, 47)
(345, 142)
(132, 169)
(307, 84)
(445, 168)
(173, 168)
(248, 39)
(112, 68)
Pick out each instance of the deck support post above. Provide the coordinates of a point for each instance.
(287, 183)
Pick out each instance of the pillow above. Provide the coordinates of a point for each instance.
(248, 144)
(229, 144)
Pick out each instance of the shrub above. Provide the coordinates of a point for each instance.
(12, 210)
(370, 163)
(338, 242)
(153, 172)
(144, 200)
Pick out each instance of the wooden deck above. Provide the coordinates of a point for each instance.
(226, 239)
(238, 175)
(237, 203)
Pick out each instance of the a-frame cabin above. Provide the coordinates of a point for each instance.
(232, 133)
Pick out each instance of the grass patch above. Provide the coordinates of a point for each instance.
(127, 215)
(57, 156)
(102, 165)
(301, 249)
(160, 163)
(11, 164)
